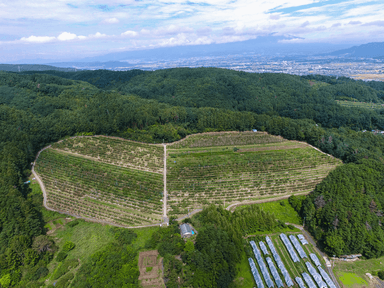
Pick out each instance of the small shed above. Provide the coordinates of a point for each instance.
(186, 230)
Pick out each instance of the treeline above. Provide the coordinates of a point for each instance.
(39, 109)
(345, 211)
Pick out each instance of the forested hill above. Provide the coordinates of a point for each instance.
(37, 109)
(309, 97)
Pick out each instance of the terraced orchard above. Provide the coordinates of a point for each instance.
(240, 166)
(109, 179)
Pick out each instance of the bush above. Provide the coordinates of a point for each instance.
(41, 272)
(61, 256)
(235, 149)
(72, 223)
(64, 267)
(381, 274)
(64, 281)
(68, 246)
(148, 269)
(282, 203)
(291, 227)
(281, 224)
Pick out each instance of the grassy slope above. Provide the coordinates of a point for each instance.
(347, 271)
(284, 213)
(88, 237)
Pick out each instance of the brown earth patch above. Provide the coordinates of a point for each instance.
(153, 278)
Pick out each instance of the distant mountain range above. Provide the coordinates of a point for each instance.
(32, 67)
(370, 50)
(264, 46)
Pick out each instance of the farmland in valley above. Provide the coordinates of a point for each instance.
(107, 179)
(235, 167)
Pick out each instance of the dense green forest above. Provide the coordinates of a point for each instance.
(344, 212)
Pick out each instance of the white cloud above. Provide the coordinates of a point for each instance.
(65, 36)
(38, 39)
(129, 33)
(113, 20)
(97, 35)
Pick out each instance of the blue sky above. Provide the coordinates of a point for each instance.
(63, 30)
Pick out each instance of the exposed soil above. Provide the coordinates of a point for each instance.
(151, 278)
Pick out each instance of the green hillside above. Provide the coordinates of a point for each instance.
(38, 109)
(223, 168)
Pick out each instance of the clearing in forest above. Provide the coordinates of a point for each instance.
(366, 105)
(229, 167)
(107, 179)
(150, 266)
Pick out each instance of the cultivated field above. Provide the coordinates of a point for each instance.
(116, 151)
(233, 167)
(85, 180)
(365, 105)
(150, 265)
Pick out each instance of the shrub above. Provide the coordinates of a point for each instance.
(282, 203)
(64, 281)
(61, 256)
(64, 267)
(291, 227)
(381, 274)
(68, 246)
(235, 149)
(41, 272)
(72, 223)
(148, 269)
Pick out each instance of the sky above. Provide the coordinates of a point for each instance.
(66, 30)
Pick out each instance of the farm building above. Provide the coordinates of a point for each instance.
(186, 230)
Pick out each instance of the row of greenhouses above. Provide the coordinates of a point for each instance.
(262, 274)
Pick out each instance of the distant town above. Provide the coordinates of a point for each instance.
(364, 69)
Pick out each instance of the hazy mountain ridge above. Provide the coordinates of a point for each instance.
(369, 50)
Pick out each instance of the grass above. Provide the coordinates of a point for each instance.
(358, 268)
(89, 238)
(278, 230)
(351, 280)
(285, 212)
(244, 277)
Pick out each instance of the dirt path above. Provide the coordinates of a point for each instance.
(166, 220)
(190, 214)
(234, 205)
